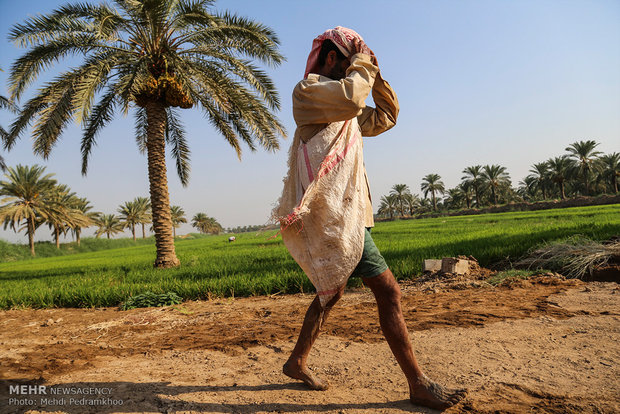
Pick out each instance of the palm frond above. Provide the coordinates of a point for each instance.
(141, 129)
(95, 73)
(40, 58)
(250, 38)
(6, 103)
(52, 120)
(175, 136)
(100, 116)
(243, 69)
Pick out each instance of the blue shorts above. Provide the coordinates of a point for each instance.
(372, 263)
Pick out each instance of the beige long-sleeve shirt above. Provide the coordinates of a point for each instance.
(318, 101)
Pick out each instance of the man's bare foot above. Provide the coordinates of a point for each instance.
(303, 373)
(430, 394)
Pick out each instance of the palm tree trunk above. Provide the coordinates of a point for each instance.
(477, 197)
(143, 236)
(108, 235)
(562, 190)
(174, 232)
(57, 234)
(158, 183)
(133, 231)
(31, 235)
(494, 195)
(434, 201)
(77, 235)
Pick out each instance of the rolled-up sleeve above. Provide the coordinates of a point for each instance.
(322, 102)
(374, 121)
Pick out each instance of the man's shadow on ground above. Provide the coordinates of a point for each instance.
(160, 397)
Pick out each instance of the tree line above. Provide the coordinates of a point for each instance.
(33, 199)
(582, 171)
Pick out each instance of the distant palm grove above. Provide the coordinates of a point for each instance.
(581, 171)
(30, 199)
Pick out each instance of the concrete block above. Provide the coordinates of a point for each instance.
(432, 265)
(454, 265)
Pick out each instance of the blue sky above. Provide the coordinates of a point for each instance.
(479, 82)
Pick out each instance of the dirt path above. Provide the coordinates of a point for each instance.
(548, 346)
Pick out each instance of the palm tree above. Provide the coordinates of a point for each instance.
(27, 190)
(109, 224)
(585, 158)
(388, 205)
(466, 187)
(473, 175)
(84, 207)
(400, 191)
(432, 183)
(495, 177)
(143, 205)
(455, 198)
(177, 215)
(206, 224)
(62, 214)
(539, 177)
(611, 169)
(151, 55)
(130, 215)
(412, 202)
(559, 172)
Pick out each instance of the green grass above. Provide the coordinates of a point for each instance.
(13, 252)
(256, 264)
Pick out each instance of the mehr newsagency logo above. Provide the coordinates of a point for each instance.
(31, 395)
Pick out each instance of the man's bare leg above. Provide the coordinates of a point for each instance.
(422, 390)
(297, 366)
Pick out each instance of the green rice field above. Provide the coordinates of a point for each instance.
(258, 264)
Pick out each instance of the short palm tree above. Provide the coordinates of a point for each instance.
(432, 184)
(473, 175)
(467, 189)
(27, 190)
(611, 169)
(388, 205)
(495, 177)
(152, 56)
(586, 160)
(560, 170)
(109, 224)
(539, 178)
(130, 214)
(177, 215)
(84, 207)
(455, 198)
(63, 215)
(145, 214)
(400, 191)
(412, 202)
(206, 224)
(528, 188)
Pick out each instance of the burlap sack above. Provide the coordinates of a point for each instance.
(321, 211)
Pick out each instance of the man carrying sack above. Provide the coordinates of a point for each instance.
(325, 211)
